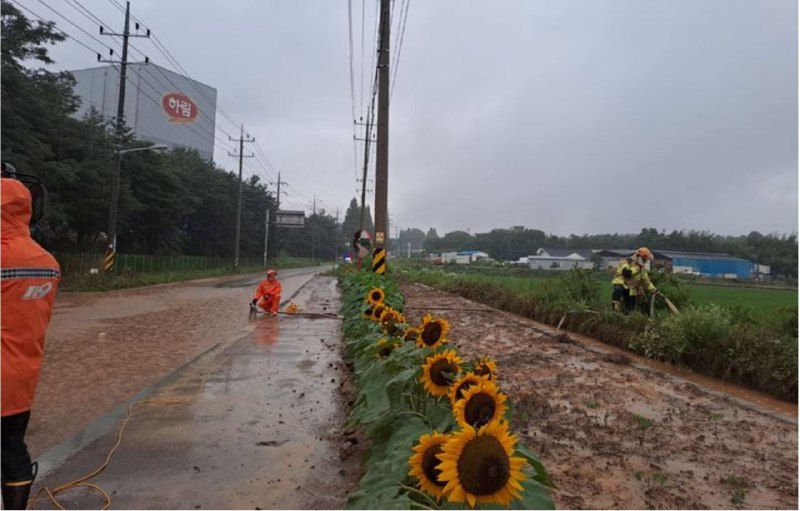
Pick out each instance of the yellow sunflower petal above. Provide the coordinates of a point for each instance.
(477, 467)
(434, 378)
(481, 404)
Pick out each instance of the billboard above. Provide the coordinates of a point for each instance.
(160, 106)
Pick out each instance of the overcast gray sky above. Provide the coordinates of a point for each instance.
(569, 116)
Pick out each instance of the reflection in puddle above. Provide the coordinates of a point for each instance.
(266, 331)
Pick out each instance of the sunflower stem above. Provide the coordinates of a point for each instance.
(412, 412)
(419, 492)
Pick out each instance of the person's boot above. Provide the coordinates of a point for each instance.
(16, 494)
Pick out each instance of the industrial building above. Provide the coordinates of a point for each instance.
(702, 264)
(160, 106)
(561, 259)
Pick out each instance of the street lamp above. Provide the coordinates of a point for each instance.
(108, 261)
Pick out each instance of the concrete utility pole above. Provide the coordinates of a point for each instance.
(241, 155)
(277, 206)
(382, 153)
(111, 252)
(279, 183)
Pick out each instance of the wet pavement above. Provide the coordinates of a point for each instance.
(254, 422)
(103, 349)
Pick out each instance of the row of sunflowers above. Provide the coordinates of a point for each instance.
(438, 424)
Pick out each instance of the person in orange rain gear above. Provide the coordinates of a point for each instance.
(29, 278)
(268, 294)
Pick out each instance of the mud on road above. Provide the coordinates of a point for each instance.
(617, 433)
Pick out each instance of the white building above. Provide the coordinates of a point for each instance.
(561, 259)
(160, 106)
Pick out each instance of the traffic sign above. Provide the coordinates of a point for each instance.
(362, 243)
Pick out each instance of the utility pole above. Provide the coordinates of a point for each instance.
(382, 153)
(120, 127)
(279, 182)
(314, 231)
(241, 156)
(266, 237)
(278, 196)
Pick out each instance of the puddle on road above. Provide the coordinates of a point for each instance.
(257, 425)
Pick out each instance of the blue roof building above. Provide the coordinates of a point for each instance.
(706, 265)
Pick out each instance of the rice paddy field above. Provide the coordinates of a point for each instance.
(764, 302)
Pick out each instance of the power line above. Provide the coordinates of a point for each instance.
(361, 79)
(87, 13)
(399, 47)
(53, 23)
(181, 70)
(350, 40)
(68, 20)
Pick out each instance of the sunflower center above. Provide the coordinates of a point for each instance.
(463, 387)
(483, 370)
(410, 335)
(483, 467)
(376, 296)
(480, 409)
(429, 464)
(431, 333)
(439, 370)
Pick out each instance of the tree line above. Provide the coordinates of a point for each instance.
(178, 203)
(779, 251)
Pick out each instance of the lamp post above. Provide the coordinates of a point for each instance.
(108, 261)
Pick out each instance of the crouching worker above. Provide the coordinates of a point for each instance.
(268, 294)
(29, 279)
(631, 280)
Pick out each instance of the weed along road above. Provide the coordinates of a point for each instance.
(226, 411)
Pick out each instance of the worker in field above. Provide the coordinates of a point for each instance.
(268, 294)
(631, 280)
(29, 277)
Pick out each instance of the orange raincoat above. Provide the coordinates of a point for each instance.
(29, 279)
(268, 295)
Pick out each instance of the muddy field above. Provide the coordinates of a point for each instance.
(618, 432)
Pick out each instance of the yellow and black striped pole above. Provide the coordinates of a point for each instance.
(108, 261)
(379, 261)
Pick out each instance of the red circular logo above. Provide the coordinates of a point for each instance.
(179, 107)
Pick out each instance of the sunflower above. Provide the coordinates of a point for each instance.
(377, 311)
(434, 332)
(435, 371)
(482, 403)
(485, 366)
(386, 346)
(368, 312)
(424, 463)
(412, 333)
(375, 296)
(461, 385)
(389, 321)
(477, 466)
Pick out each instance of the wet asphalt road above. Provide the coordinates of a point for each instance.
(253, 423)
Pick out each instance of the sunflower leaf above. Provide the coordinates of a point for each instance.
(542, 476)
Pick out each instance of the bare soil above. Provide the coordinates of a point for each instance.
(620, 432)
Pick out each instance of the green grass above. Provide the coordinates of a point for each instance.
(100, 282)
(744, 334)
(764, 302)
